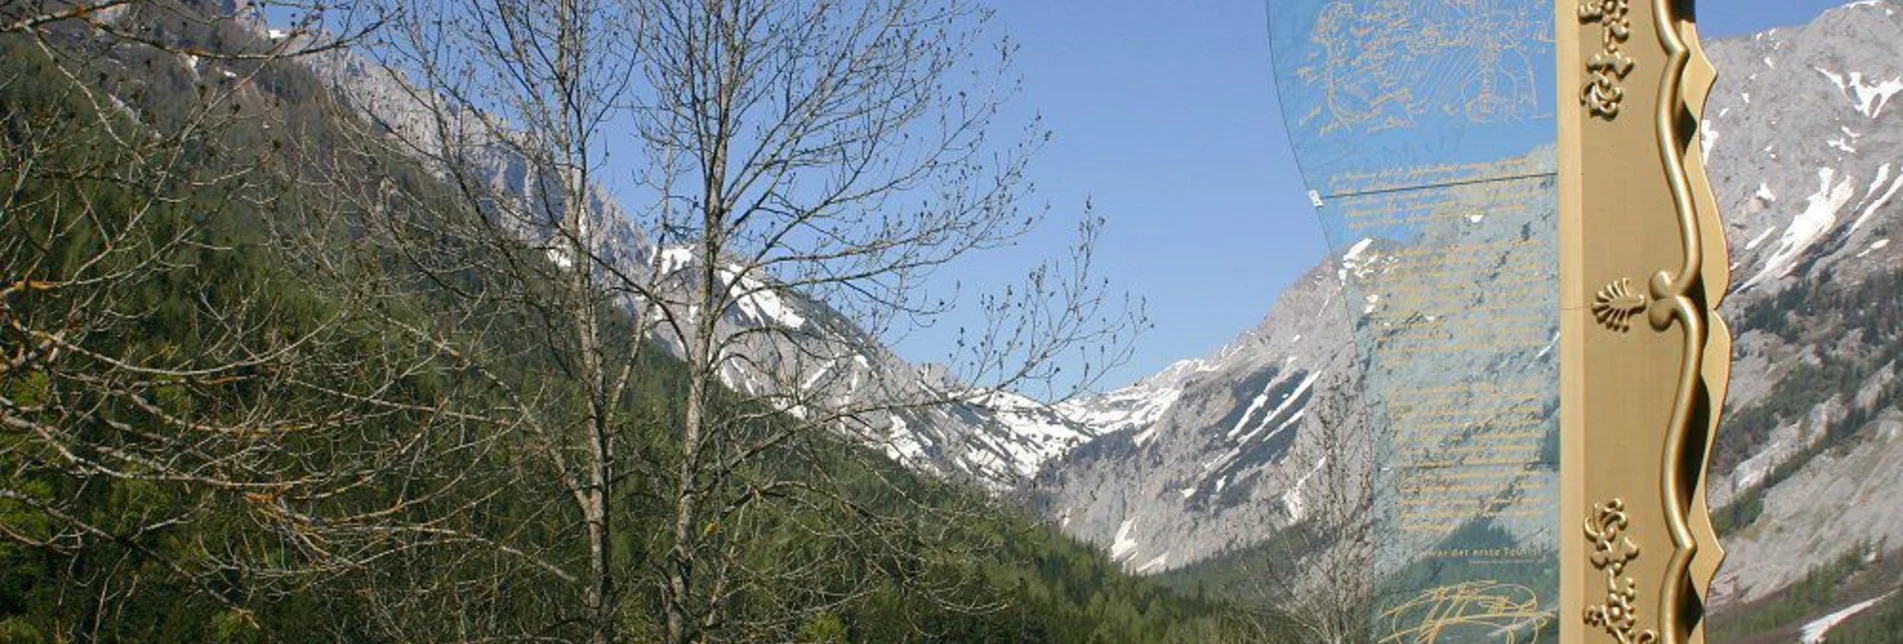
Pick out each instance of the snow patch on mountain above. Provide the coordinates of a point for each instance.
(1282, 405)
(1153, 564)
(1816, 631)
(1873, 97)
(1128, 408)
(1124, 545)
(1293, 499)
(905, 447)
(1359, 261)
(1869, 98)
(760, 302)
(1033, 433)
(1807, 227)
(1881, 200)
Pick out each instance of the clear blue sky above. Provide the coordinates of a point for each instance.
(1165, 116)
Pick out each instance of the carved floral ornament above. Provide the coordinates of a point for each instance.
(1611, 551)
(1602, 94)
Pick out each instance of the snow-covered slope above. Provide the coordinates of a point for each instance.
(1802, 131)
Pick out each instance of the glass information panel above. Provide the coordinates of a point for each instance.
(1425, 131)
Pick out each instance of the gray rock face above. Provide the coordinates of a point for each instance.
(1802, 134)
(1807, 163)
(1209, 454)
(1837, 502)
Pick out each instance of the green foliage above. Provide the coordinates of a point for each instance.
(1743, 509)
(1821, 588)
(159, 581)
(1880, 624)
(824, 629)
(15, 630)
(1253, 581)
(233, 627)
(1868, 311)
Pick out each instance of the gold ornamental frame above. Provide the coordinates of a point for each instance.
(1644, 356)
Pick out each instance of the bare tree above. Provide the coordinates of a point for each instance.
(835, 153)
(515, 261)
(802, 169)
(1316, 576)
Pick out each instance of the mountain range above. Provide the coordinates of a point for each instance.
(1804, 142)
(1212, 454)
